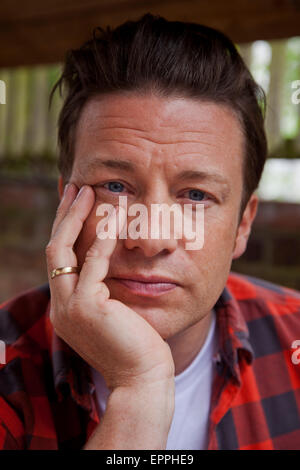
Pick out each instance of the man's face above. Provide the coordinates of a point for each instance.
(163, 143)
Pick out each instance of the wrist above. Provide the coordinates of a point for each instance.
(156, 399)
(136, 417)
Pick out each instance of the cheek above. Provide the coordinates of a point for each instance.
(219, 240)
(220, 230)
(211, 265)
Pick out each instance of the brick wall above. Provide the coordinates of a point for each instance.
(27, 210)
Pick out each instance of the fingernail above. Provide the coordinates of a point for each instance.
(67, 186)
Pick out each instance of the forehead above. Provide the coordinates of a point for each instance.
(162, 130)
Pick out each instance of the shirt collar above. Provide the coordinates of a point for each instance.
(234, 340)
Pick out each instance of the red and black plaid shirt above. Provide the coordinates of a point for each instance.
(47, 398)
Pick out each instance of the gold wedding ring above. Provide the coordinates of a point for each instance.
(65, 270)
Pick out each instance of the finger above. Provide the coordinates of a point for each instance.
(71, 225)
(96, 264)
(70, 192)
(62, 286)
(60, 248)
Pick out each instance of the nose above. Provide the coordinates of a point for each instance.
(151, 230)
(150, 247)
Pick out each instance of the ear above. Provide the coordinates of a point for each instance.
(244, 228)
(60, 187)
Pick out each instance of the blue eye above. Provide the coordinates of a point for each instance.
(115, 186)
(196, 195)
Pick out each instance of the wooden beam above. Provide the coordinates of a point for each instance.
(34, 32)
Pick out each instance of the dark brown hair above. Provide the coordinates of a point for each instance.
(169, 58)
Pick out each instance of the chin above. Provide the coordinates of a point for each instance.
(167, 321)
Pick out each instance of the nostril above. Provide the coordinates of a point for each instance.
(150, 247)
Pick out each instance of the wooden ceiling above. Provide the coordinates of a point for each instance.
(40, 31)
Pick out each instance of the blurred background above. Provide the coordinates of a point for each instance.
(34, 37)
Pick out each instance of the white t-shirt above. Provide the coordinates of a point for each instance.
(189, 427)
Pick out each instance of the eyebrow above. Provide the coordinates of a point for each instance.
(202, 175)
(117, 164)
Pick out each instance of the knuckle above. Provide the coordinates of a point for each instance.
(103, 293)
(58, 320)
(50, 248)
(59, 211)
(75, 307)
(58, 330)
(72, 212)
(92, 255)
(95, 251)
(53, 317)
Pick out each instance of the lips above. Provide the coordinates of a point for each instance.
(150, 286)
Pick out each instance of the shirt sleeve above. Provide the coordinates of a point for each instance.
(12, 433)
